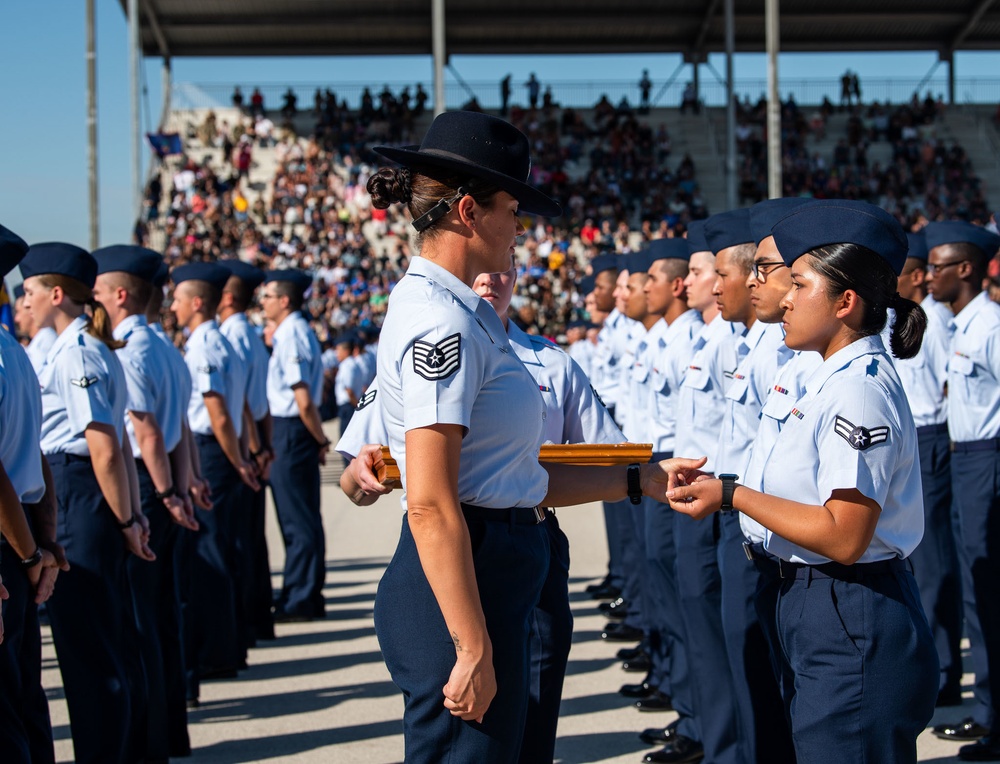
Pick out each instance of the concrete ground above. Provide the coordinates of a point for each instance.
(320, 692)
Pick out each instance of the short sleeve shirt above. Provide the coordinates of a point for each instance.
(214, 368)
(366, 426)
(674, 350)
(925, 375)
(20, 420)
(253, 357)
(295, 359)
(974, 372)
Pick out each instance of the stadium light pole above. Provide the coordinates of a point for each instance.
(133, 76)
(772, 26)
(437, 23)
(91, 61)
(730, 109)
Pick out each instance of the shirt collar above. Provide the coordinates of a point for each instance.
(968, 314)
(127, 326)
(753, 336)
(482, 310)
(67, 337)
(238, 317)
(201, 330)
(871, 345)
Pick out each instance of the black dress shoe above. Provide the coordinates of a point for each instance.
(615, 609)
(655, 702)
(606, 592)
(628, 653)
(680, 750)
(640, 663)
(642, 690)
(985, 749)
(591, 588)
(967, 729)
(949, 696)
(660, 735)
(621, 632)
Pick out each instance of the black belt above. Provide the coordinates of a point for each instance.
(66, 458)
(512, 515)
(859, 571)
(933, 429)
(204, 438)
(968, 446)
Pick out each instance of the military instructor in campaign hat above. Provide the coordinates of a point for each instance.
(464, 420)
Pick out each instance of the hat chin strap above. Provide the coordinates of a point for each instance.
(438, 211)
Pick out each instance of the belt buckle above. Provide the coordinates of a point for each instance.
(539, 515)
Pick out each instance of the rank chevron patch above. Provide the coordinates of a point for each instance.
(366, 399)
(435, 362)
(860, 438)
(84, 382)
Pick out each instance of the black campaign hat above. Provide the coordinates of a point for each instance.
(61, 259)
(12, 250)
(480, 146)
(127, 258)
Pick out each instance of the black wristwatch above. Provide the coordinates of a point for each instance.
(728, 489)
(632, 475)
(35, 559)
(171, 491)
(128, 523)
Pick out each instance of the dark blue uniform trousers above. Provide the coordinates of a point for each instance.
(211, 642)
(764, 731)
(699, 584)
(25, 728)
(256, 592)
(864, 664)
(551, 639)
(935, 560)
(93, 625)
(295, 485)
(511, 563)
(616, 569)
(976, 485)
(668, 650)
(157, 610)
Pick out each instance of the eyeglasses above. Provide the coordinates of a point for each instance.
(267, 296)
(760, 275)
(933, 268)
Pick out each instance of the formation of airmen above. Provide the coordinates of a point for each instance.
(132, 501)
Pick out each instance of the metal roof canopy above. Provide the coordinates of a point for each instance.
(172, 28)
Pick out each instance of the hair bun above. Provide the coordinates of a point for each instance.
(390, 185)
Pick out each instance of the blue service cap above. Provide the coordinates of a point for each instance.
(346, 337)
(603, 263)
(918, 246)
(248, 274)
(728, 229)
(12, 250)
(61, 259)
(668, 249)
(211, 273)
(19, 291)
(161, 275)
(696, 237)
(301, 279)
(959, 232)
(638, 262)
(586, 285)
(840, 221)
(127, 258)
(765, 214)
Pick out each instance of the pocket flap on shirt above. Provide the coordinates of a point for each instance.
(961, 364)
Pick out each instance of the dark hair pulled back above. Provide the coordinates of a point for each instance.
(851, 266)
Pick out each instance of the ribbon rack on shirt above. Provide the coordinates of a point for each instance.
(587, 454)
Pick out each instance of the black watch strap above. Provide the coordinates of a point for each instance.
(128, 523)
(30, 562)
(634, 483)
(728, 489)
(171, 491)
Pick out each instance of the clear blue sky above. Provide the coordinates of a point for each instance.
(43, 164)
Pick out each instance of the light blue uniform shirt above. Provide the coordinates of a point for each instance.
(672, 356)
(582, 352)
(369, 365)
(762, 351)
(974, 372)
(573, 413)
(700, 403)
(295, 358)
(788, 387)
(82, 383)
(444, 358)
(20, 420)
(632, 411)
(607, 369)
(149, 381)
(39, 346)
(253, 356)
(366, 426)
(350, 379)
(852, 429)
(214, 368)
(924, 376)
(179, 369)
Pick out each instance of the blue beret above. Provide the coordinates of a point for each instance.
(840, 221)
(728, 229)
(603, 263)
(301, 279)
(764, 215)
(12, 250)
(696, 237)
(586, 285)
(60, 259)
(211, 273)
(668, 249)
(958, 232)
(638, 262)
(19, 291)
(918, 246)
(162, 274)
(139, 261)
(252, 277)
